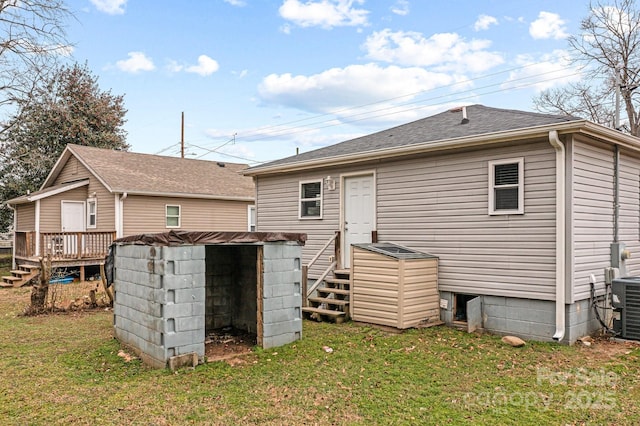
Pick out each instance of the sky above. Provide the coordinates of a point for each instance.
(257, 80)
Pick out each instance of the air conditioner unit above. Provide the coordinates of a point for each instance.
(625, 298)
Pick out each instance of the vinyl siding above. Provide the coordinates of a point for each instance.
(593, 194)
(145, 214)
(26, 217)
(74, 170)
(395, 292)
(277, 210)
(439, 204)
(51, 208)
(629, 232)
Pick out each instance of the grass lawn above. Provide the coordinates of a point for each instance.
(65, 369)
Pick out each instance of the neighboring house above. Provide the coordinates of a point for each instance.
(93, 196)
(523, 209)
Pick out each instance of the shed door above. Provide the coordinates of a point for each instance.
(358, 213)
(73, 216)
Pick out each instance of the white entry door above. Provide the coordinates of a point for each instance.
(358, 213)
(73, 220)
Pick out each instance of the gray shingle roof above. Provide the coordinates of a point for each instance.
(442, 126)
(145, 173)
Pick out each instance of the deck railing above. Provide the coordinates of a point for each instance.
(75, 245)
(64, 245)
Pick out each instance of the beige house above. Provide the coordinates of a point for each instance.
(93, 196)
(526, 212)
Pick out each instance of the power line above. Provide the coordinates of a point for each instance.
(302, 129)
(387, 100)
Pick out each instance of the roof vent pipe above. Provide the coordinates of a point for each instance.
(465, 120)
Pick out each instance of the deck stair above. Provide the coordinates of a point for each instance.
(332, 299)
(20, 277)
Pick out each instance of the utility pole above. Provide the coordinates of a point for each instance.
(182, 137)
(616, 119)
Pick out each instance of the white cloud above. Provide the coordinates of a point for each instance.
(111, 7)
(548, 25)
(401, 7)
(240, 74)
(445, 51)
(237, 3)
(137, 62)
(206, 66)
(324, 13)
(286, 29)
(544, 72)
(353, 85)
(484, 22)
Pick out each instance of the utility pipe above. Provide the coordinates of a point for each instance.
(616, 193)
(560, 236)
(120, 214)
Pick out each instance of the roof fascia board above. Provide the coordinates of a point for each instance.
(185, 195)
(58, 190)
(57, 167)
(465, 142)
(609, 135)
(62, 161)
(92, 171)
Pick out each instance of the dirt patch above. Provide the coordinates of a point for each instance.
(606, 348)
(228, 344)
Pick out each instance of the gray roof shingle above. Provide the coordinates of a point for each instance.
(145, 173)
(442, 126)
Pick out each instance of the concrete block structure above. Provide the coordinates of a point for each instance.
(168, 298)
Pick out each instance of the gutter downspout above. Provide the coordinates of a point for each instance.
(560, 236)
(120, 214)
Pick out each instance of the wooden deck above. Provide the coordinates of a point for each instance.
(66, 249)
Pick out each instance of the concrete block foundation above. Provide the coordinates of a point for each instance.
(527, 318)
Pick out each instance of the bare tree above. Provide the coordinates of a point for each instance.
(32, 38)
(609, 47)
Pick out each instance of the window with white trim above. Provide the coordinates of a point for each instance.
(251, 218)
(92, 212)
(506, 186)
(172, 216)
(310, 199)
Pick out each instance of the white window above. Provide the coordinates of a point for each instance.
(92, 212)
(172, 215)
(506, 186)
(311, 200)
(251, 218)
